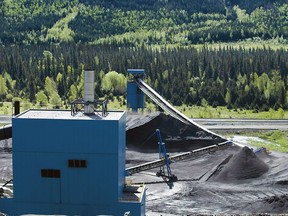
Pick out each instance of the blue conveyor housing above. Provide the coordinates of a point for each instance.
(135, 97)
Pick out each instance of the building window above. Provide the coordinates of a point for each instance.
(50, 173)
(77, 163)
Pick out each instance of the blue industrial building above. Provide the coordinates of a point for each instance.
(66, 164)
(135, 97)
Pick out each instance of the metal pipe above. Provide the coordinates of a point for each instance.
(88, 91)
(16, 107)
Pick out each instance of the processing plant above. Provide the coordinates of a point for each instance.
(72, 162)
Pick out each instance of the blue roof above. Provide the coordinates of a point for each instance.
(136, 71)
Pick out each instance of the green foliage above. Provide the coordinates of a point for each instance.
(3, 87)
(155, 35)
(60, 32)
(114, 83)
(276, 140)
(41, 98)
(72, 95)
(224, 112)
(141, 22)
(55, 100)
(9, 82)
(254, 79)
(50, 86)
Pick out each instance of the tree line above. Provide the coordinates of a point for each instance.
(254, 78)
(138, 22)
(46, 45)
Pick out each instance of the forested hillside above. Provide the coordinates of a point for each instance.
(141, 21)
(45, 46)
(251, 79)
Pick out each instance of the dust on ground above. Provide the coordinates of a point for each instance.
(231, 181)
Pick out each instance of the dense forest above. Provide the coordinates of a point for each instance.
(46, 45)
(252, 79)
(141, 21)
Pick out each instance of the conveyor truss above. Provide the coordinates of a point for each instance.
(178, 157)
(166, 106)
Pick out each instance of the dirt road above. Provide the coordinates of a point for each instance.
(221, 124)
(243, 124)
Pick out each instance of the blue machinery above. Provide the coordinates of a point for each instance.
(74, 164)
(136, 89)
(71, 165)
(167, 176)
(135, 97)
(140, 88)
(166, 160)
(70, 162)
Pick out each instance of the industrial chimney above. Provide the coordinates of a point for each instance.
(88, 91)
(88, 102)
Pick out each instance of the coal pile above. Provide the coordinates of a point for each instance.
(177, 135)
(243, 165)
(278, 204)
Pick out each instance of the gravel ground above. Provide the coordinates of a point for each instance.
(195, 194)
(230, 181)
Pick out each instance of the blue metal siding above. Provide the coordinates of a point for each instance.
(27, 181)
(96, 184)
(135, 208)
(95, 141)
(121, 154)
(91, 185)
(135, 97)
(49, 144)
(136, 71)
(81, 136)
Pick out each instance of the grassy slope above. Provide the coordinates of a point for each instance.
(275, 140)
(223, 112)
(60, 30)
(189, 111)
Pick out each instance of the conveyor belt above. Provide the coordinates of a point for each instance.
(166, 106)
(179, 157)
(6, 132)
(160, 101)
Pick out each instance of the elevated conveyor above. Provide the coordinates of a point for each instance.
(160, 101)
(166, 106)
(175, 158)
(6, 132)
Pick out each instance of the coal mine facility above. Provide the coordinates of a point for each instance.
(90, 160)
